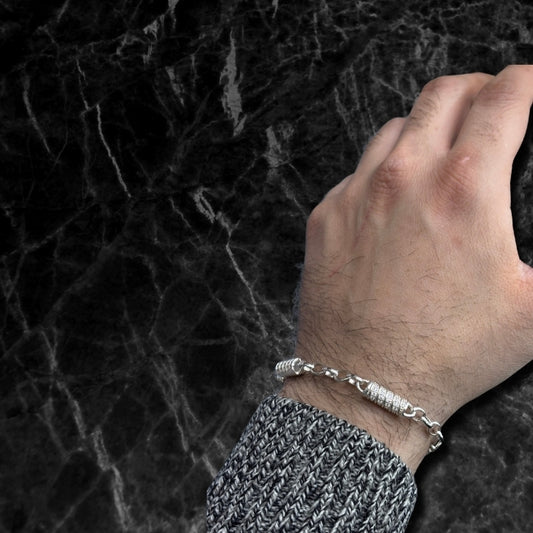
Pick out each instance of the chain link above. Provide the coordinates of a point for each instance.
(340, 376)
(369, 389)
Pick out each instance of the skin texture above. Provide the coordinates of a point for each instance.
(412, 276)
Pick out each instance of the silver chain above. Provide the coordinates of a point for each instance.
(371, 390)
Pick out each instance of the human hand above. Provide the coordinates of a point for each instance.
(412, 276)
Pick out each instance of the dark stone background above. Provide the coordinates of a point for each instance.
(158, 163)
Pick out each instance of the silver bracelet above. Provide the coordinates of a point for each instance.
(369, 389)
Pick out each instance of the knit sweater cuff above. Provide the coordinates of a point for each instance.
(296, 468)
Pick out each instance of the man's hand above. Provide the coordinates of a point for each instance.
(412, 276)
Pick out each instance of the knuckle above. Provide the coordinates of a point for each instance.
(502, 92)
(516, 70)
(457, 182)
(391, 126)
(510, 70)
(392, 176)
(487, 131)
(349, 199)
(394, 124)
(441, 85)
(428, 103)
(317, 218)
(332, 210)
(339, 187)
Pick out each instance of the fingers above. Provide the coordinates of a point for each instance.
(375, 153)
(439, 111)
(429, 131)
(466, 128)
(381, 146)
(496, 124)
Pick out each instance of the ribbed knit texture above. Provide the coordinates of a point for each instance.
(296, 468)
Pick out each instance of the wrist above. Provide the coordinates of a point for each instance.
(408, 440)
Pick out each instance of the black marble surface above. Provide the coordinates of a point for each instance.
(158, 162)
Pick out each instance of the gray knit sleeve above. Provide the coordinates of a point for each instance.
(296, 468)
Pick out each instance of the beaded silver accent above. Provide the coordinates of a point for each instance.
(385, 398)
(288, 368)
(371, 390)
